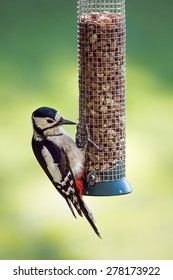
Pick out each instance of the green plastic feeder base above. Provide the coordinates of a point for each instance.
(109, 188)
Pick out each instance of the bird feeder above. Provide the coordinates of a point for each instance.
(102, 95)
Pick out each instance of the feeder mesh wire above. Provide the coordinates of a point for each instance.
(101, 70)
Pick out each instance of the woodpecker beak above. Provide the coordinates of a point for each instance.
(63, 121)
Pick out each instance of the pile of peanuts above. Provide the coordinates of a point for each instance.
(101, 61)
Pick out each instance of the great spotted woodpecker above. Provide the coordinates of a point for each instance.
(61, 159)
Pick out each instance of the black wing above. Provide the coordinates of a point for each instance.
(56, 165)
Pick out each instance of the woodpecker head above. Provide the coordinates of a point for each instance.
(45, 120)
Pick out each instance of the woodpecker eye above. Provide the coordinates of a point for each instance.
(50, 120)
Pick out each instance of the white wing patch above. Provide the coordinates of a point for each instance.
(51, 166)
(69, 191)
(66, 179)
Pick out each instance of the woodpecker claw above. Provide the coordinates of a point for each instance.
(90, 140)
(78, 140)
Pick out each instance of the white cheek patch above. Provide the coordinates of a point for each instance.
(40, 122)
(51, 166)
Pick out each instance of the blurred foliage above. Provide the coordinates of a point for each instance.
(38, 55)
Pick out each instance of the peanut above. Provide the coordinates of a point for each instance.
(101, 49)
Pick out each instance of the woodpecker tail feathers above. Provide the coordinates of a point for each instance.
(89, 216)
(70, 206)
(82, 208)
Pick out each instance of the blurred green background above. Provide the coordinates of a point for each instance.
(38, 66)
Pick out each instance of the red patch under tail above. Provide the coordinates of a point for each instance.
(80, 186)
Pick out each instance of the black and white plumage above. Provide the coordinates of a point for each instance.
(60, 158)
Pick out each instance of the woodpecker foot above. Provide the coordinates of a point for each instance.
(90, 140)
(78, 140)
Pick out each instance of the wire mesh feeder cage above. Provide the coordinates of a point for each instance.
(102, 94)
